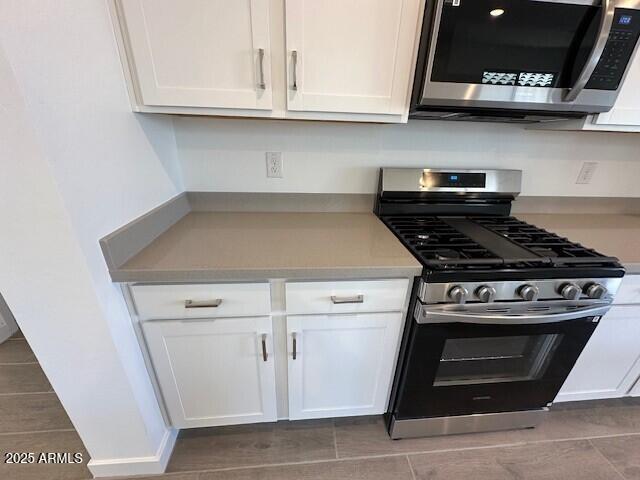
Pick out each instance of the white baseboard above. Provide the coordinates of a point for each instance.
(155, 464)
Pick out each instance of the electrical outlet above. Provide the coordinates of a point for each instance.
(274, 164)
(587, 172)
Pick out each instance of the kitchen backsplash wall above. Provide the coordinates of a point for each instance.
(225, 155)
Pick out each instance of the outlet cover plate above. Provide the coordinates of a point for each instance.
(274, 164)
(587, 172)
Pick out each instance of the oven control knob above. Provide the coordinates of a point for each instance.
(486, 293)
(595, 291)
(529, 293)
(458, 294)
(570, 291)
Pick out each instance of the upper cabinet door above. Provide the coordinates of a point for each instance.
(199, 53)
(351, 56)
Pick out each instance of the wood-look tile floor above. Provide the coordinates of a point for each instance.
(582, 441)
(32, 418)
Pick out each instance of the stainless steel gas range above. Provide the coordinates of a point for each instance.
(502, 310)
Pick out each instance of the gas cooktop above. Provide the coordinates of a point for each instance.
(467, 242)
(460, 224)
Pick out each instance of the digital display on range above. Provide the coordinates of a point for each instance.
(453, 179)
(625, 20)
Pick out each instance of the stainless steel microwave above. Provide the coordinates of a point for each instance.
(523, 60)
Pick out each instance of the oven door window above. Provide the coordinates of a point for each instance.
(463, 368)
(467, 361)
(513, 42)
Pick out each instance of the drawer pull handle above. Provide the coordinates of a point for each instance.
(295, 346)
(205, 304)
(294, 60)
(264, 347)
(343, 300)
(261, 84)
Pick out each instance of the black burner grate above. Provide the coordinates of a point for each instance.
(558, 249)
(440, 246)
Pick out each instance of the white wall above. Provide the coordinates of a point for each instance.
(76, 165)
(228, 155)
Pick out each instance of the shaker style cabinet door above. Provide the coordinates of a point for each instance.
(341, 365)
(214, 371)
(199, 53)
(610, 363)
(350, 56)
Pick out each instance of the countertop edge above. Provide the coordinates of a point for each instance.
(333, 273)
(631, 268)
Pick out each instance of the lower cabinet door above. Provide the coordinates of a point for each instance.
(610, 363)
(214, 371)
(341, 365)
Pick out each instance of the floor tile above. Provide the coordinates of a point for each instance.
(247, 445)
(623, 453)
(585, 422)
(16, 351)
(572, 460)
(32, 412)
(22, 379)
(43, 442)
(164, 476)
(18, 334)
(363, 436)
(392, 468)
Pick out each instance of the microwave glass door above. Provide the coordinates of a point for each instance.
(536, 43)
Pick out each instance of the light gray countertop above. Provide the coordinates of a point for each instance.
(210, 246)
(613, 235)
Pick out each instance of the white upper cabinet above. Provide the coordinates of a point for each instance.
(350, 56)
(199, 53)
(350, 60)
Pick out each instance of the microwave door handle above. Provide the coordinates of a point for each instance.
(606, 22)
(424, 315)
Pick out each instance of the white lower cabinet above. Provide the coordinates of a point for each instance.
(341, 365)
(214, 371)
(610, 364)
(221, 369)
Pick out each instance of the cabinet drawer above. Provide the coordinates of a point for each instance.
(201, 300)
(629, 291)
(346, 296)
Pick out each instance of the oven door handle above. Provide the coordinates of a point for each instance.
(606, 22)
(425, 315)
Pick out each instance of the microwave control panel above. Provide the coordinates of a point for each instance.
(617, 51)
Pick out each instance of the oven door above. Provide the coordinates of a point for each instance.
(475, 359)
(554, 55)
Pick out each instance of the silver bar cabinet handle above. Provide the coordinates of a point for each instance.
(261, 84)
(295, 345)
(294, 59)
(264, 347)
(344, 300)
(204, 304)
(606, 21)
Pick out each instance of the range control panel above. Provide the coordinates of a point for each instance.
(617, 52)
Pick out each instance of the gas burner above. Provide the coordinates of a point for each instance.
(545, 252)
(446, 254)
